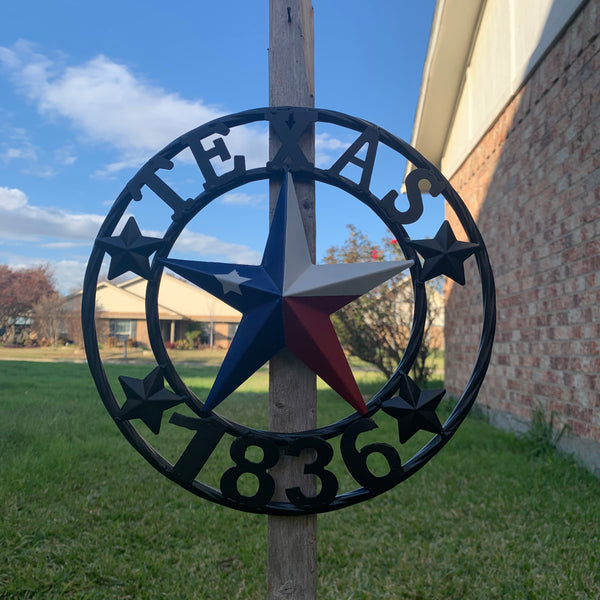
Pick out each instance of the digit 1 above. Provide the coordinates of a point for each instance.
(208, 435)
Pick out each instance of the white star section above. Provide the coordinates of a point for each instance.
(303, 278)
(231, 282)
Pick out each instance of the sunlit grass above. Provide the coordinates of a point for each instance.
(82, 515)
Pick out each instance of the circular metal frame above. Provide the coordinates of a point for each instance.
(288, 123)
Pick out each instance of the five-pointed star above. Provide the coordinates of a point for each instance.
(129, 251)
(444, 255)
(414, 409)
(231, 282)
(147, 399)
(286, 302)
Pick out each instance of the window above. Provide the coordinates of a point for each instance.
(122, 327)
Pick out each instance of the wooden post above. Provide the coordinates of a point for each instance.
(292, 541)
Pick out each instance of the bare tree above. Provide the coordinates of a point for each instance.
(50, 315)
(376, 327)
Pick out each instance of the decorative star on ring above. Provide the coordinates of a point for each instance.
(414, 409)
(129, 251)
(286, 302)
(147, 399)
(444, 255)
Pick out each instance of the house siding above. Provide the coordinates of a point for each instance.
(533, 185)
(179, 304)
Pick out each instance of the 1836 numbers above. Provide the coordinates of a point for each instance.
(209, 432)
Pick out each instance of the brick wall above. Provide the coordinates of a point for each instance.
(533, 184)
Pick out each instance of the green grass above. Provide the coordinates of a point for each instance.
(83, 516)
(77, 354)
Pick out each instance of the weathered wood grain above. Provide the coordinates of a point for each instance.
(292, 541)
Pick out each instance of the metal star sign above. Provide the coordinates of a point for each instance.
(147, 399)
(444, 255)
(129, 250)
(286, 302)
(414, 409)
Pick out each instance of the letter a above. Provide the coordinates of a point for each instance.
(370, 137)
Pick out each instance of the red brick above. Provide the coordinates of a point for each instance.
(534, 183)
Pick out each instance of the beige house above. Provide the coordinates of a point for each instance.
(180, 304)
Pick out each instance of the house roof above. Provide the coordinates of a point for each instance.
(480, 54)
(177, 295)
(119, 302)
(177, 300)
(452, 32)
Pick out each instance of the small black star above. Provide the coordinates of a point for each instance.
(147, 399)
(414, 409)
(444, 255)
(129, 250)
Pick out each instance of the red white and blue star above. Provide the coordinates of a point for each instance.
(286, 302)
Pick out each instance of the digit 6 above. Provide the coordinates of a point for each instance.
(356, 461)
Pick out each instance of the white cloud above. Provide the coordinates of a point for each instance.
(26, 152)
(104, 100)
(242, 199)
(61, 245)
(325, 141)
(17, 148)
(65, 156)
(20, 220)
(43, 171)
(16, 145)
(67, 274)
(109, 105)
(55, 229)
(328, 149)
(210, 248)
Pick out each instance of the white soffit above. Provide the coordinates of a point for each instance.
(452, 32)
(534, 25)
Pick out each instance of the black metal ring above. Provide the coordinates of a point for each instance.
(395, 221)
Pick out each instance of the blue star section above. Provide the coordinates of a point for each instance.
(260, 333)
(256, 290)
(262, 337)
(129, 251)
(286, 302)
(147, 399)
(414, 409)
(444, 255)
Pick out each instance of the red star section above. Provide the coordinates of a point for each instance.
(310, 335)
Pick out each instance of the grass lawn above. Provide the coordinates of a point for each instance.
(76, 354)
(83, 516)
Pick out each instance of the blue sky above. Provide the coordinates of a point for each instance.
(90, 91)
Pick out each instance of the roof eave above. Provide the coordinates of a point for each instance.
(453, 31)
